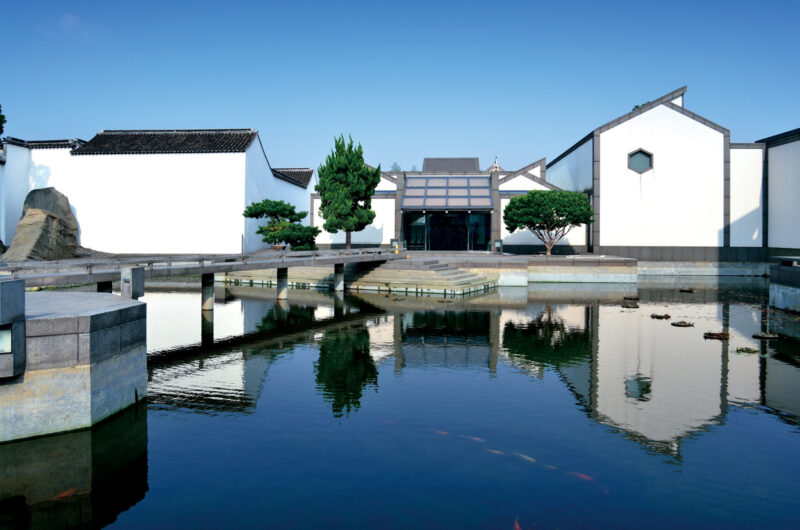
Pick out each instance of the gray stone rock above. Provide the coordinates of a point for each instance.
(47, 230)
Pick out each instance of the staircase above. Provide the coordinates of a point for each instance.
(417, 276)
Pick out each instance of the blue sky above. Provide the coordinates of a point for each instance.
(517, 80)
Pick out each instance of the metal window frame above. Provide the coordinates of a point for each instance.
(648, 153)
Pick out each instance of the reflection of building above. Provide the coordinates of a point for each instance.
(451, 339)
(78, 479)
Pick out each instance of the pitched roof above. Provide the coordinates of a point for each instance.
(495, 168)
(451, 165)
(782, 138)
(167, 141)
(666, 99)
(299, 176)
(45, 144)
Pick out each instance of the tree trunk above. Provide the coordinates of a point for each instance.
(347, 241)
(549, 246)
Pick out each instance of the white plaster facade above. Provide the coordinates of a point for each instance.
(783, 163)
(176, 203)
(679, 202)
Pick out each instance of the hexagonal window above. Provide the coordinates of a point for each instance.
(640, 161)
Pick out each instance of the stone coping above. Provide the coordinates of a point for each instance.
(59, 313)
(515, 261)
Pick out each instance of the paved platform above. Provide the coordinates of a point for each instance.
(84, 359)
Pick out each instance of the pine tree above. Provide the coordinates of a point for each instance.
(346, 185)
(2, 119)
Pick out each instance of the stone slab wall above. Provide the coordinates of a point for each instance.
(80, 368)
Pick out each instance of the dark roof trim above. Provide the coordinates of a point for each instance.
(696, 117)
(447, 173)
(451, 165)
(45, 144)
(748, 146)
(172, 141)
(299, 176)
(782, 138)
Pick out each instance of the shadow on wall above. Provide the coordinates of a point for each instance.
(750, 226)
(39, 177)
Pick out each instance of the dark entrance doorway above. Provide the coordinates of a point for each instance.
(447, 230)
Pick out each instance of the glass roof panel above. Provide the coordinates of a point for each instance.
(415, 182)
(415, 191)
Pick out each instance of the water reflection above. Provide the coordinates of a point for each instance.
(649, 381)
(344, 368)
(79, 479)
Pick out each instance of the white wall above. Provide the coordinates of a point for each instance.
(521, 183)
(381, 231)
(746, 199)
(784, 190)
(677, 203)
(260, 184)
(148, 204)
(386, 185)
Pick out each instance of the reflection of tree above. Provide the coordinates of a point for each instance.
(547, 340)
(345, 368)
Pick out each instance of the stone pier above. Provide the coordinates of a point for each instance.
(784, 284)
(84, 359)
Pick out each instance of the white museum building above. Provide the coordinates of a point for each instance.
(152, 191)
(665, 183)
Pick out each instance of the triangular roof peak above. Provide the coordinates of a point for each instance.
(644, 107)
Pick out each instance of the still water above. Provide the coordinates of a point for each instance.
(553, 407)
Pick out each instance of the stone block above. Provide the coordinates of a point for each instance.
(12, 301)
(52, 351)
(38, 327)
(132, 282)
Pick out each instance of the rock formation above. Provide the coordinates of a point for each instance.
(47, 230)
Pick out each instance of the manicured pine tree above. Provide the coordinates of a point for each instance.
(549, 215)
(346, 185)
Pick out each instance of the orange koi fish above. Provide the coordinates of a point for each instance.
(441, 433)
(495, 451)
(64, 494)
(516, 524)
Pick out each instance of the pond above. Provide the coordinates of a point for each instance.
(552, 407)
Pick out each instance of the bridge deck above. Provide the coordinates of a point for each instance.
(72, 272)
